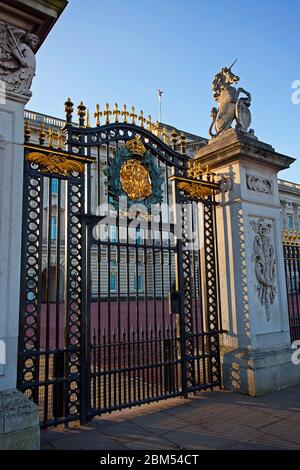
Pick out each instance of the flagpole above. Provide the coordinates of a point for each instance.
(159, 94)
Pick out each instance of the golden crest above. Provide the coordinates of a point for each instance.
(136, 146)
(135, 180)
(55, 164)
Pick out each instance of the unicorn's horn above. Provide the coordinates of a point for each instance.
(233, 64)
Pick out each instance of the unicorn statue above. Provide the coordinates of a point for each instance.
(231, 107)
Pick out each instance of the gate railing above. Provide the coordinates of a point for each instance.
(291, 252)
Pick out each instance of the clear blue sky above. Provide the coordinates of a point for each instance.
(124, 50)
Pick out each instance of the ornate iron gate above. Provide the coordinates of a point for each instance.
(119, 302)
(291, 253)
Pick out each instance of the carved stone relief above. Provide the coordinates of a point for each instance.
(259, 184)
(264, 263)
(17, 59)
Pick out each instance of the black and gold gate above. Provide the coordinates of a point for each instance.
(119, 303)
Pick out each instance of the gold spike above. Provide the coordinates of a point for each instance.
(194, 170)
(27, 131)
(290, 237)
(148, 123)
(50, 136)
(60, 139)
(107, 113)
(97, 115)
(141, 119)
(88, 120)
(173, 138)
(182, 142)
(157, 129)
(165, 135)
(133, 115)
(124, 113)
(116, 113)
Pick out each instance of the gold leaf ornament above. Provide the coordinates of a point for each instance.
(135, 180)
(55, 164)
(194, 190)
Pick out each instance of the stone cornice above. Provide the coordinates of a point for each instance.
(34, 16)
(233, 145)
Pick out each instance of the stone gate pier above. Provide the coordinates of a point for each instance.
(256, 350)
(24, 25)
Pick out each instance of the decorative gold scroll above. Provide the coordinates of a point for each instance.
(55, 164)
(194, 190)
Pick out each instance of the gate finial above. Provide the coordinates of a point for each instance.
(81, 111)
(97, 115)
(148, 123)
(124, 113)
(69, 110)
(141, 119)
(116, 113)
(107, 113)
(133, 115)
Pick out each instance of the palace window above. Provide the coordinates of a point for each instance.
(113, 276)
(140, 283)
(290, 222)
(113, 233)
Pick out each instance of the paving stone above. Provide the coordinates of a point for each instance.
(278, 443)
(87, 441)
(218, 420)
(187, 439)
(158, 423)
(284, 429)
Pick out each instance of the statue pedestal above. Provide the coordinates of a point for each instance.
(256, 350)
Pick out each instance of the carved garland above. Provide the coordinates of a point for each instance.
(265, 263)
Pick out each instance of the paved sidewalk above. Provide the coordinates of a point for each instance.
(209, 420)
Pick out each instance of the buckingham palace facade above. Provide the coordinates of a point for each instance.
(54, 213)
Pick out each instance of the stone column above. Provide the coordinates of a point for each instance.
(284, 218)
(256, 350)
(19, 417)
(19, 421)
(295, 210)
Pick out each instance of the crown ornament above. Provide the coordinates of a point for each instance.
(136, 146)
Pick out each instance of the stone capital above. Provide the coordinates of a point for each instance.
(233, 145)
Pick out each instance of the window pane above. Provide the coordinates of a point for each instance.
(54, 185)
(53, 228)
